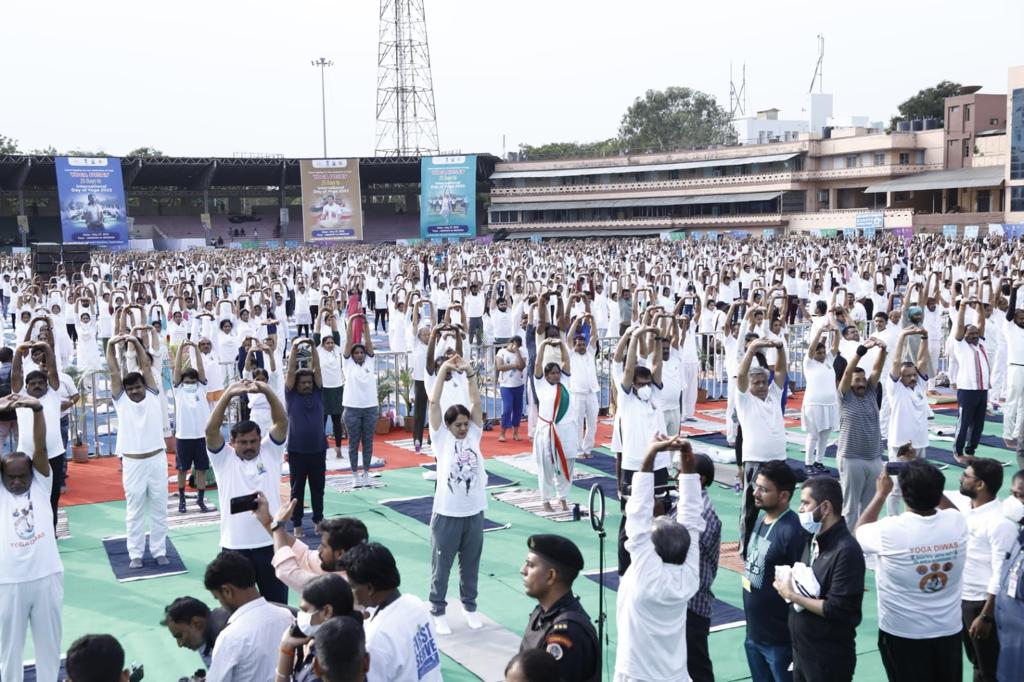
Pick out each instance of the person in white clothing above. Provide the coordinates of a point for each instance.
(819, 413)
(663, 575)
(583, 384)
(1013, 408)
(140, 444)
(191, 412)
(921, 555)
(460, 498)
(31, 573)
(248, 647)
(251, 463)
(399, 635)
(554, 443)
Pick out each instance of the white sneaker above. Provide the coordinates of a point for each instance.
(441, 625)
(473, 620)
(366, 479)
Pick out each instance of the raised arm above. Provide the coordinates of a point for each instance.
(367, 339)
(897, 357)
(742, 378)
(959, 329)
(214, 439)
(629, 370)
(278, 413)
(112, 365)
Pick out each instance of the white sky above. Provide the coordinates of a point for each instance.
(222, 76)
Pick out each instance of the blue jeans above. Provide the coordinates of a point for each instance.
(361, 422)
(769, 662)
(511, 407)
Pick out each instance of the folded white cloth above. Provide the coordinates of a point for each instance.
(801, 580)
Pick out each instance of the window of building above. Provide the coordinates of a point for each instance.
(852, 160)
(955, 108)
(967, 113)
(904, 158)
(919, 157)
(967, 147)
(823, 199)
(879, 158)
(993, 121)
(984, 201)
(1016, 124)
(1017, 198)
(900, 196)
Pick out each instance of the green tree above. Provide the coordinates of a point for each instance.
(84, 152)
(45, 151)
(676, 118)
(146, 153)
(927, 103)
(8, 145)
(562, 150)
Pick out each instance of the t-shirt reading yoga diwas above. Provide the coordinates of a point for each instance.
(920, 572)
(461, 478)
(237, 477)
(28, 545)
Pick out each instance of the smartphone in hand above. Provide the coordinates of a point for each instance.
(244, 503)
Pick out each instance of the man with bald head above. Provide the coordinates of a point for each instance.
(31, 574)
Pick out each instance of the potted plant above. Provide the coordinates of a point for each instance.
(406, 382)
(79, 450)
(384, 390)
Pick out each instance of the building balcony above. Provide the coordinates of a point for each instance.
(933, 222)
(662, 223)
(780, 181)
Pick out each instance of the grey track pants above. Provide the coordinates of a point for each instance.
(857, 478)
(451, 535)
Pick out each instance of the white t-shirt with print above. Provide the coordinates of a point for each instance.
(237, 477)
(360, 383)
(461, 476)
(28, 545)
(920, 571)
(400, 638)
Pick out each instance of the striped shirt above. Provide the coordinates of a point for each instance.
(859, 431)
(710, 539)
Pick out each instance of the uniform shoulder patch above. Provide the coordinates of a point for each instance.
(555, 650)
(560, 640)
(560, 626)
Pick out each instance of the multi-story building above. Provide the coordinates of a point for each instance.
(840, 178)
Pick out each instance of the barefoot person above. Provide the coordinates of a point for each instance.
(554, 443)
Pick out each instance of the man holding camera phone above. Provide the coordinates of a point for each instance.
(249, 464)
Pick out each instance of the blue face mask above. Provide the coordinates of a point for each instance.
(808, 522)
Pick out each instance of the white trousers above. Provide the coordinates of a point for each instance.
(730, 412)
(672, 421)
(145, 490)
(550, 478)
(691, 371)
(998, 374)
(586, 417)
(1013, 409)
(36, 603)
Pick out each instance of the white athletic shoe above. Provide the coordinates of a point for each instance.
(441, 625)
(473, 620)
(135, 563)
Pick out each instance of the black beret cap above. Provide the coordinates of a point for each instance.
(558, 549)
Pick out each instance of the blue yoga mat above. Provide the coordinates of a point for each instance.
(723, 614)
(311, 538)
(493, 480)
(421, 508)
(117, 553)
(30, 672)
(608, 485)
(993, 418)
(601, 461)
(716, 439)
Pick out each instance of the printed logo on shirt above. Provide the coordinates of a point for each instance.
(25, 522)
(427, 655)
(934, 577)
(465, 469)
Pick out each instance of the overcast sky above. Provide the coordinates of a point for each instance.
(219, 77)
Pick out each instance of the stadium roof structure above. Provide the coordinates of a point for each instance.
(189, 173)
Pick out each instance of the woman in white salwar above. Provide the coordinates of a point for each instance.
(819, 413)
(555, 439)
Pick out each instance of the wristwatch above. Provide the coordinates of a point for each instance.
(274, 525)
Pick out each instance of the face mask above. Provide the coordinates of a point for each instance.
(190, 388)
(1013, 509)
(808, 522)
(305, 622)
(644, 392)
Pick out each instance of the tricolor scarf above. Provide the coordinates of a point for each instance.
(560, 408)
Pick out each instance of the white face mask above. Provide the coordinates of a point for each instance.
(808, 522)
(1013, 509)
(644, 393)
(190, 388)
(305, 622)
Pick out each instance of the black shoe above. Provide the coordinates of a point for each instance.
(202, 507)
(181, 505)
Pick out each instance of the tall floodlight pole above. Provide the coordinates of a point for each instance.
(406, 119)
(323, 63)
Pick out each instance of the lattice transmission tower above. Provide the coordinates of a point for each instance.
(406, 118)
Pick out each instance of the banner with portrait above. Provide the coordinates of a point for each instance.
(332, 207)
(92, 203)
(448, 196)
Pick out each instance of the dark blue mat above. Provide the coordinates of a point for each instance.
(801, 472)
(943, 457)
(311, 538)
(608, 485)
(717, 439)
(722, 614)
(30, 672)
(601, 461)
(493, 480)
(421, 508)
(117, 553)
(993, 418)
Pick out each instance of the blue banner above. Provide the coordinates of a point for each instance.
(92, 205)
(850, 232)
(875, 219)
(448, 196)
(949, 231)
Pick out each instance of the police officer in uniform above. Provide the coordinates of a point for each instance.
(559, 625)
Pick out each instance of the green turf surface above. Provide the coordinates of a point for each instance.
(95, 602)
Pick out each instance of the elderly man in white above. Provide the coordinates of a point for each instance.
(663, 575)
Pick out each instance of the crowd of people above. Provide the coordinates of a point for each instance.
(265, 351)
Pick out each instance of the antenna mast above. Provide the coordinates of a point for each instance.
(819, 68)
(737, 98)
(406, 118)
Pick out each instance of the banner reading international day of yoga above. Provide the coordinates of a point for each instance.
(92, 205)
(447, 196)
(332, 209)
